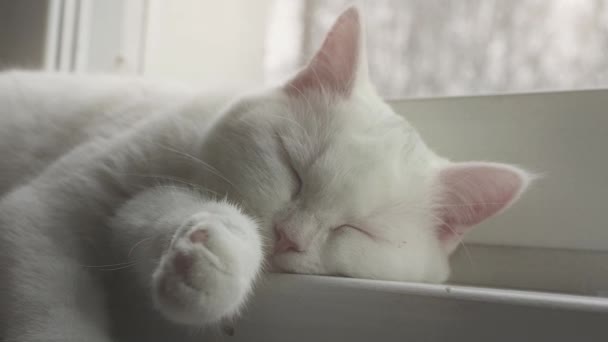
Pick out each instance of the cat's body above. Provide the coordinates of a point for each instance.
(129, 209)
(64, 111)
(57, 126)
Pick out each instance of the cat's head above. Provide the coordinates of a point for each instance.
(340, 183)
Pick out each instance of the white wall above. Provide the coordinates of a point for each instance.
(207, 42)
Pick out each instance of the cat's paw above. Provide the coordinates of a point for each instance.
(209, 268)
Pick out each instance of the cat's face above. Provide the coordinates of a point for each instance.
(340, 183)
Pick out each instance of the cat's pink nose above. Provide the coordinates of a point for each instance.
(284, 244)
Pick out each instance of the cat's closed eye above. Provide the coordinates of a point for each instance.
(296, 176)
(345, 227)
(290, 165)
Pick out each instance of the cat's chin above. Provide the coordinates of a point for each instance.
(294, 264)
(273, 266)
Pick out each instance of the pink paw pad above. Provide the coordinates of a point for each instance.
(199, 236)
(182, 263)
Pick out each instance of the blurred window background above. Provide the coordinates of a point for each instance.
(415, 48)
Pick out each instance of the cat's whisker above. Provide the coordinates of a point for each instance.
(460, 241)
(467, 252)
(138, 244)
(120, 264)
(117, 268)
(207, 166)
(174, 179)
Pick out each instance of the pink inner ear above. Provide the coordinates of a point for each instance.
(334, 66)
(473, 192)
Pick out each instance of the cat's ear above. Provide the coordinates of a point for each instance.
(340, 64)
(472, 192)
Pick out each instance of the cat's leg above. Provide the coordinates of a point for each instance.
(200, 256)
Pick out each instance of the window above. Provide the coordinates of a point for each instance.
(415, 48)
(436, 48)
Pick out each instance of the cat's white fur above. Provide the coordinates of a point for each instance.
(135, 211)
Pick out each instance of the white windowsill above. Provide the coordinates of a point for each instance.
(313, 308)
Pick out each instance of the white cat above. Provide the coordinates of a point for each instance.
(131, 211)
